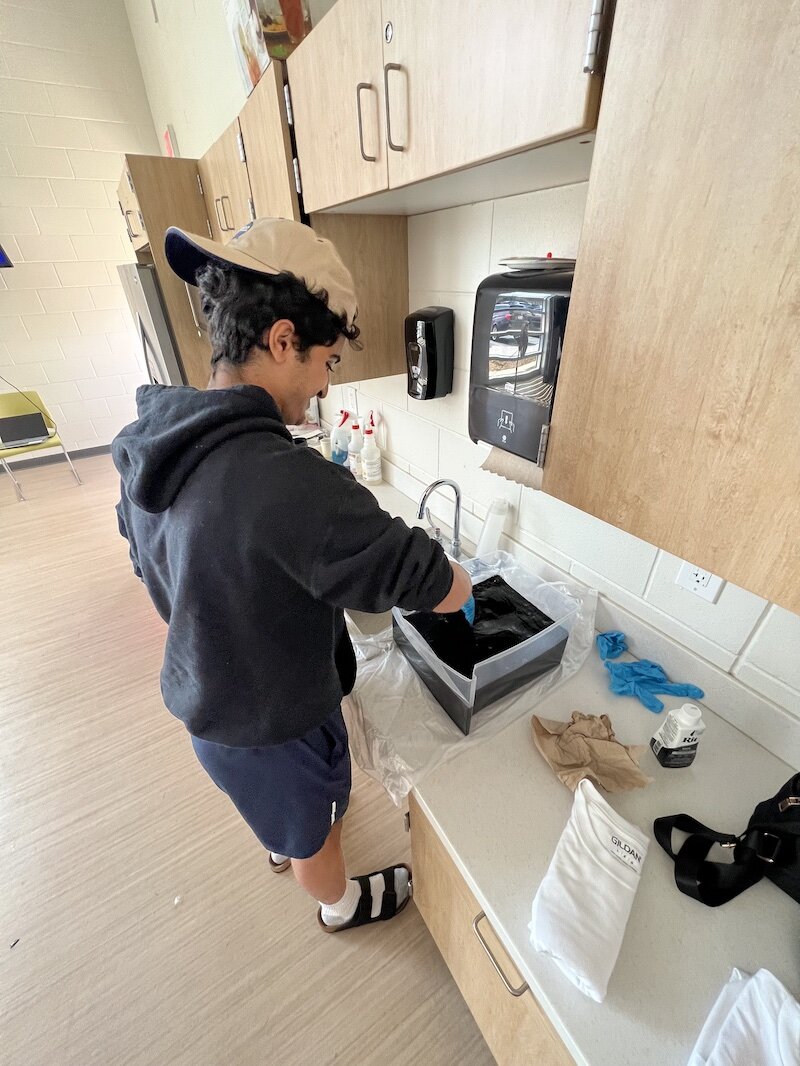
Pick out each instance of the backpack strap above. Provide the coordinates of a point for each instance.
(715, 883)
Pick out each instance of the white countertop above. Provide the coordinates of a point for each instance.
(500, 810)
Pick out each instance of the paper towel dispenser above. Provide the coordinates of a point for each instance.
(517, 336)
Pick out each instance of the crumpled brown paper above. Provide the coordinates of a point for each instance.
(585, 746)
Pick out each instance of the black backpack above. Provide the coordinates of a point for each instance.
(769, 847)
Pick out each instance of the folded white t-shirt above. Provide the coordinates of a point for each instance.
(754, 1022)
(581, 908)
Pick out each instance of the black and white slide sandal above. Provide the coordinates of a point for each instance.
(389, 907)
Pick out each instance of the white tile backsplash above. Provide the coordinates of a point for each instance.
(537, 223)
(412, 439)
(623, 559)
(448, 251)
(390, 390)
(775, 647)
(728, 622)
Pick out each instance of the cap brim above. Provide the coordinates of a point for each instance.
(188, 253)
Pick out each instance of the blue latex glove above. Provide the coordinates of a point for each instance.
(469, 610)
(643, 679)
(612, 644)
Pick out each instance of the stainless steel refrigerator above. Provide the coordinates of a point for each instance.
(151, 322)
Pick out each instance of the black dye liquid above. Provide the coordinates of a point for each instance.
(503, 619)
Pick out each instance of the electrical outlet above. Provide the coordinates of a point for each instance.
(701, 582)
(350, 399)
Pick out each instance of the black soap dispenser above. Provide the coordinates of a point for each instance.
(429, 352)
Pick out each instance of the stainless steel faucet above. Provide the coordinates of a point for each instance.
(455, 547)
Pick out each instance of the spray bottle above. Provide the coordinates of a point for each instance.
(340, 439)
(354, 449)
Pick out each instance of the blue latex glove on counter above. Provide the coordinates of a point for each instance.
(469, 610)
(612, 644)
(643, 679)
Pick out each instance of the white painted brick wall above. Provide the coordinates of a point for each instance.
(72, 100)
(450, 252)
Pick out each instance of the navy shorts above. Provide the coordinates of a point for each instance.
(289, 794)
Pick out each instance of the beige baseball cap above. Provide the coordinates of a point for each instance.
(269, 246)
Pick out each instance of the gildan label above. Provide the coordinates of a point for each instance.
(625, 851)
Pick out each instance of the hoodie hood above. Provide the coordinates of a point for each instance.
(177, 427)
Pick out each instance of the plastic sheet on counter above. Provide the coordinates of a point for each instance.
(398, 731)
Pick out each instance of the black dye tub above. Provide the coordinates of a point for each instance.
(519, 635)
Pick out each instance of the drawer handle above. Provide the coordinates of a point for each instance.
(359, 88)
(387, 67)
(226, 227)
(220, 223)
(131, 232)
(523, 988)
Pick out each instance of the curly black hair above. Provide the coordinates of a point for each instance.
(239, 305)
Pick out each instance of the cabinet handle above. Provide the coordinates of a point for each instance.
(220, 223)
(131, 232)
(363, 85)
(523, 988)
(387, 67)
(226, 227)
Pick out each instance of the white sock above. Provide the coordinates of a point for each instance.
(343, 910)
(278, 859)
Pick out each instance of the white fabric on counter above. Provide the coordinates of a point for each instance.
(581, 909)
(754, 1022)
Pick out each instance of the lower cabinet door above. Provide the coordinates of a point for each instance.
(515, 1027)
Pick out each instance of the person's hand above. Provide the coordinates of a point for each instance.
(469, 610)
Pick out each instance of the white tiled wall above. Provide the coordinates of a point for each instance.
(71, 101)
(741, 635)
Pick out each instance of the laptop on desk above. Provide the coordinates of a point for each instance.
(21, 431)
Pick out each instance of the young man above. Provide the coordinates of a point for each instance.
(251, 548)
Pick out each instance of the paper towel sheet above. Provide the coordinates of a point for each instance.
(512, 468)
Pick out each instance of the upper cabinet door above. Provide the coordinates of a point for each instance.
(226, 185)
(468, 82)
(676, 415)
(336, 79)
(268, 148)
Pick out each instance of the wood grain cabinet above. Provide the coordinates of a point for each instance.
(267, 148)
(165, 192)
(226, 185)
(514, 1026)
(676, 416)
(431, 86)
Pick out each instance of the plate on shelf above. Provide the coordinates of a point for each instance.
(534, 262)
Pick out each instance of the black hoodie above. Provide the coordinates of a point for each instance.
(250, 547)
